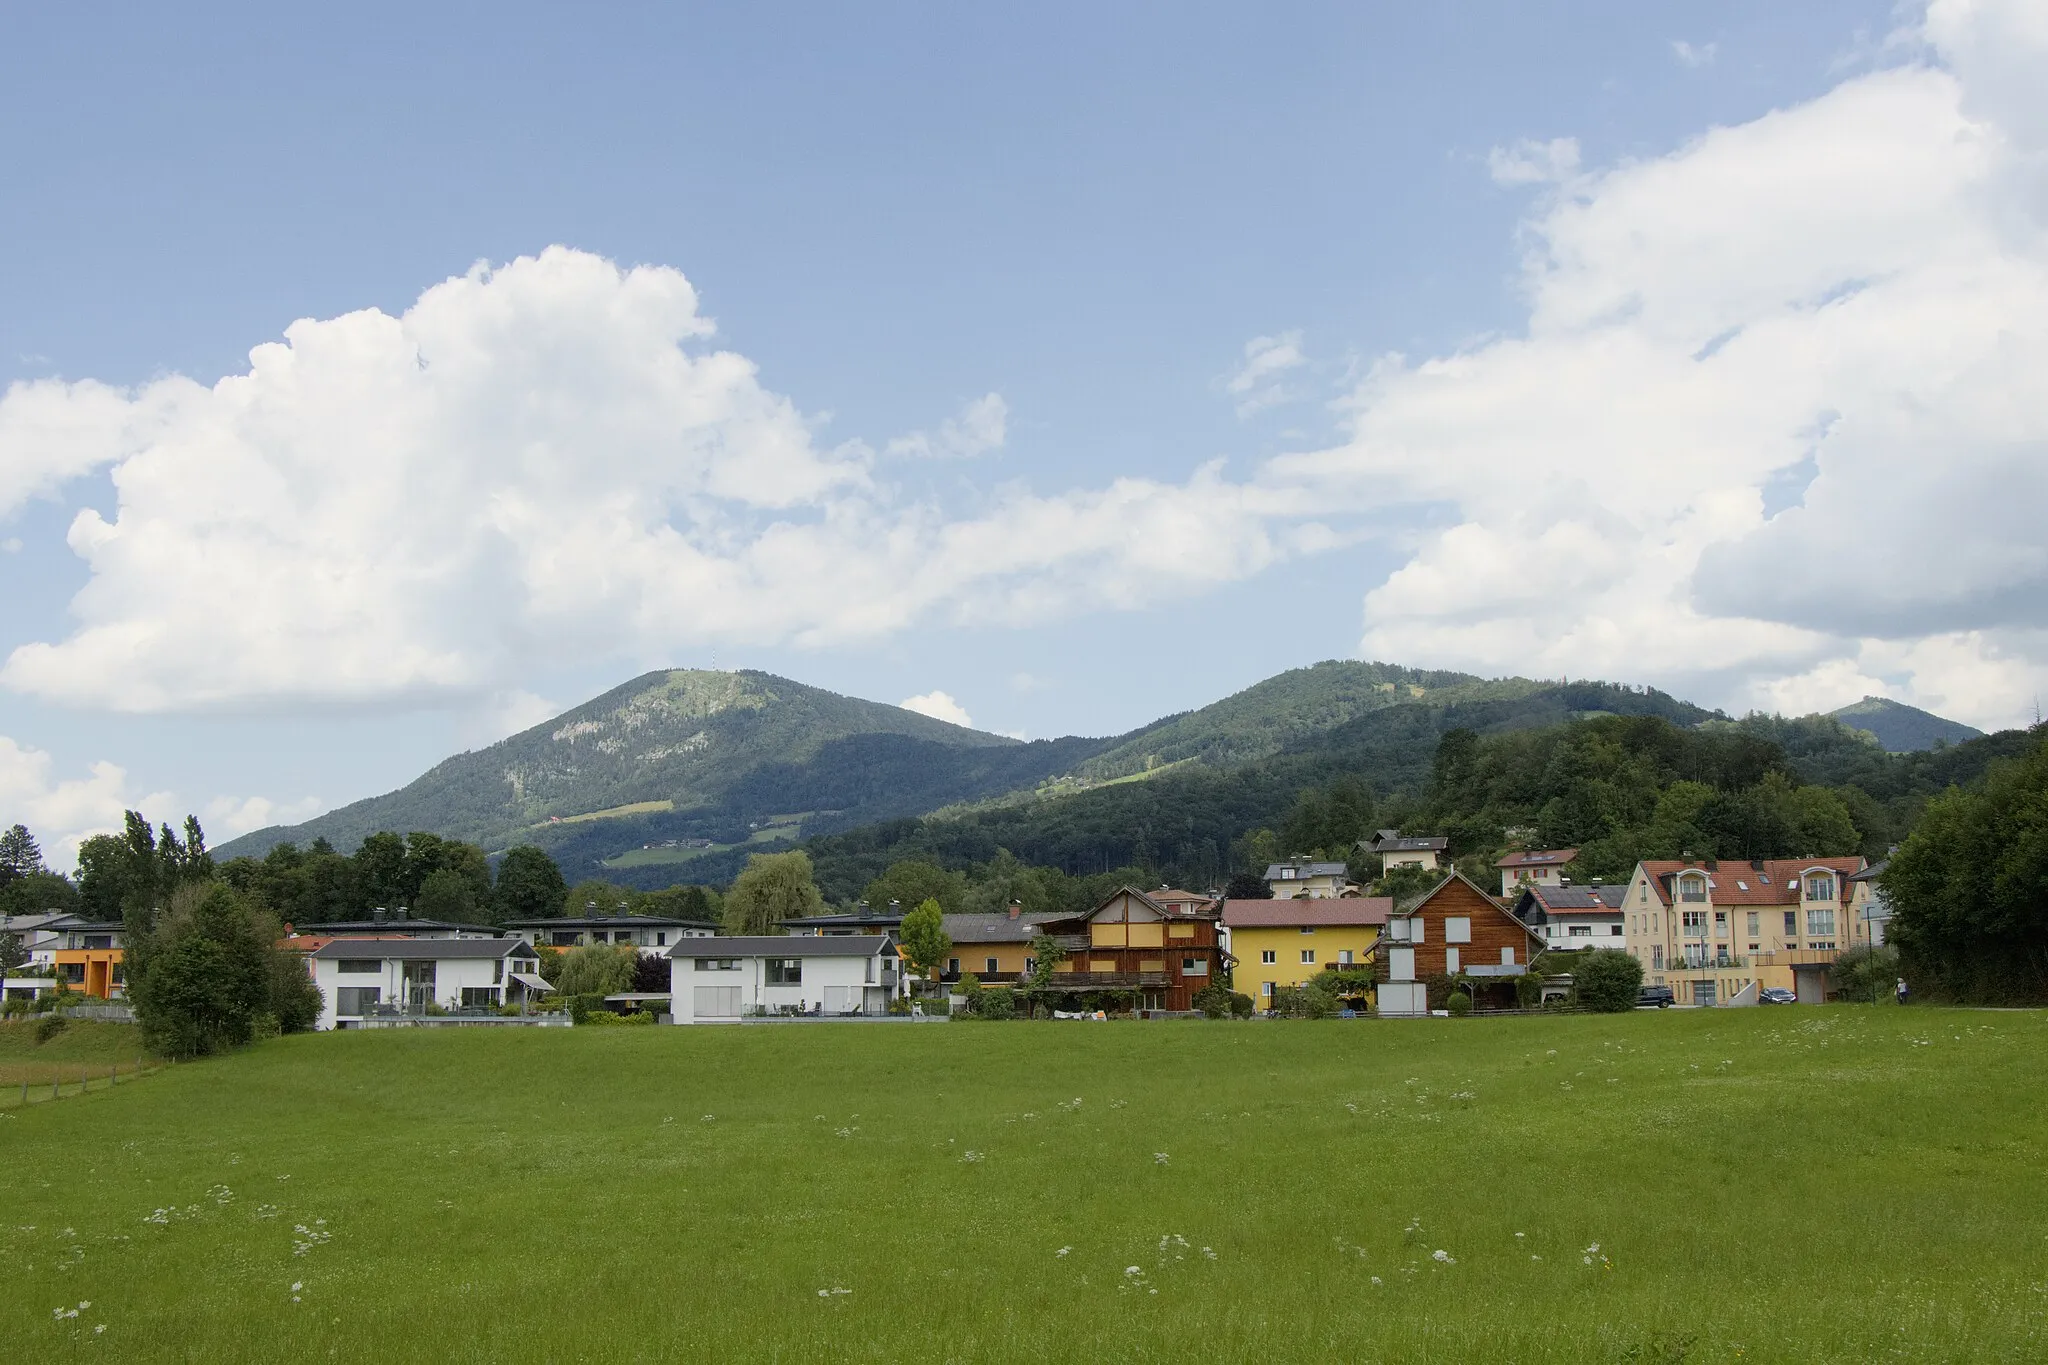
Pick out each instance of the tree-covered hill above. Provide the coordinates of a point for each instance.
(702, 754)
(1900, 728)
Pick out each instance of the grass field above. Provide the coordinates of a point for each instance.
(1841, 1184)
(85, 1050)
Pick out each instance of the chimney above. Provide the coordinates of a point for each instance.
(377, 915)
(1016, 909)
(401, 914)
(895, 907)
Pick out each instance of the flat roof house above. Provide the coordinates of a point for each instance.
(651, 934)
(373, 981)
(83, 954)
(838, 976)
(398, 923)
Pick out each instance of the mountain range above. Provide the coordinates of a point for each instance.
(677, 775)
(1902, 729)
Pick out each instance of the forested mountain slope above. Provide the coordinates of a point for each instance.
(1900, 728)
(704, 754)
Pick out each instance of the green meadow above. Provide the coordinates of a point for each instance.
(1839, 1184)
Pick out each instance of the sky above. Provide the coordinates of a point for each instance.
(374, 384)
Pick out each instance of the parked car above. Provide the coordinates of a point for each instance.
(1660, 996)
(1776, 995)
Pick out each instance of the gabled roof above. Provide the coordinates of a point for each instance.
(1764, 881)
(1484, 895)
(419, 949)
(1302, 867)
(1288, 914)
(393, 925)
(783, 945)
(1539, 857)
(1393, 841)
(1535, 901)
(881, 919)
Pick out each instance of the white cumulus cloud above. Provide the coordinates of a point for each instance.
(63, 811)
(1694, 54)
(1774, 432)
(939, 706)
(544, 456)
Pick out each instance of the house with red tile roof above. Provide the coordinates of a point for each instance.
(1720, 932)
(1285, 942)
(1533, 867)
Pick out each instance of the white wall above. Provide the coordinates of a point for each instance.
(831, 985)
(451, 975)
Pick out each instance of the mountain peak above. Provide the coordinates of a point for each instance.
(1899, 728)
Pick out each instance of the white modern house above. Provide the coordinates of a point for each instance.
(364, 979)
(1568, 918)
(724, 980)
(651, 934)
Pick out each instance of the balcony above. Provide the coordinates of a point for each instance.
(1705, 964)
(1105, 981)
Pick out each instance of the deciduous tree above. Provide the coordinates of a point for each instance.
(774, 887)
(924, 938)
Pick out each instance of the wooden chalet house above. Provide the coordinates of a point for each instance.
(1159, 954)
(1456, 930)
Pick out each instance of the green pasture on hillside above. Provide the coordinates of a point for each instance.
(1840, 1184)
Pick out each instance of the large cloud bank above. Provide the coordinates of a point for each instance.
(1775, 433)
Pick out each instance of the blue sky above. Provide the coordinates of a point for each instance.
(1089, 211)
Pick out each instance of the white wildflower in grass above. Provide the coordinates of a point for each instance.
(85, 1303)
(297, 1285)
(1521, 1234)
(1442, 1257)
(970, 1156)
(1159, 1158)
(1062, 1251)
(1118, 1104)
(1377, 1280)
(1208, 1252)
(832, 1292)
(1128, 1270)
(708, 1118)
(99, 1329)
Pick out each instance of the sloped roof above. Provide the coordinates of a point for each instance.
(1288, 914)
(1484, 895)
(614, 922)
(1572, 900)
(1305, 868)
(989, 929)
(1393, 841)
(1768, 881)
(1539, 857)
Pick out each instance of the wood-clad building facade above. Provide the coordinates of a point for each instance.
(1160, 954)
(1458, 929)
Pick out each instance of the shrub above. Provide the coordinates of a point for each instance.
(1608, 980)
(1459, 1004)
(1213, 1000)
(1241, 1006)
(49, 1026)
(1866, 975)
(1314, 1001)
(999, 1003)
(1529, 990)
(970, 994)
(582, 1006)
(898, 1005)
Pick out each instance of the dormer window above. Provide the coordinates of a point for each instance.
(1692, 888)
(1820, 886)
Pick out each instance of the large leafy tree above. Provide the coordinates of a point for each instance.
(529, 885)
(912, 881)
(924, 938)
(39, 893)
(207, 974)
(1969, 889)
(773, 888)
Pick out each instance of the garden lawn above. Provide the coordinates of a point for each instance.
(1848, 1183)
(84, 1050)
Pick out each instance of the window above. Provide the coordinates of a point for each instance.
(1450, 960)
(1265, 988)
(1656, 957)
(789, 971)
(1753, 918)
(1820, 887)
(661, 938)
(1194, 966)
(479, 997)
(1269, 957)
(1720, 924)
(73, 972)
(1692, 888)
(354, 1001)
(1308, 957)
(359, 966)
(1458, 929)
(1507, 957)
(1614, 931)
(498, 972)
(1286, 874)
(1791, 924)
(1695, 923)
(1180, 931)
(953, 965)
(718, 964)
(989, 966)
(1643, 894)
(1030, 965)
(98, 941)
(1579, 931)
(1418, 929)
(1820, 924)
(1308, 928)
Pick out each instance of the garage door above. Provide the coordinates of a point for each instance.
(717, 1002)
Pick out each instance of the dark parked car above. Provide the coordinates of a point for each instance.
(1776, 995)
(1660, 996)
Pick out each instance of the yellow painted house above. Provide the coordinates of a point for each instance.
(1285, 942)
